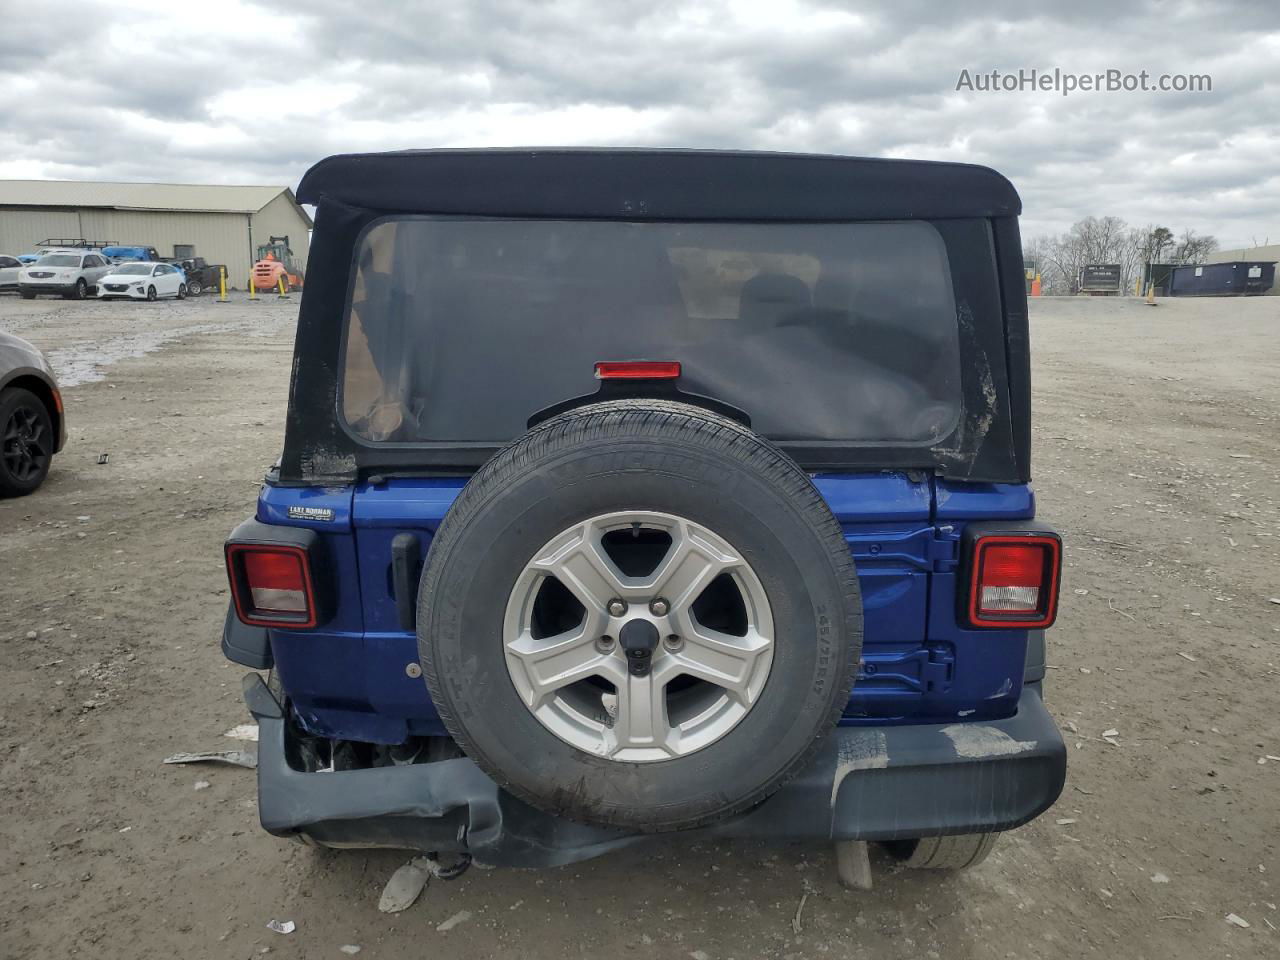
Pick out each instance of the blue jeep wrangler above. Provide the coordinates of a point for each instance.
(634, 491)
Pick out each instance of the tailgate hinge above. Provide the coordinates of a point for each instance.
(931, 549)
(944, 548)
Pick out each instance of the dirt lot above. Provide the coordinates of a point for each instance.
(1157, 458)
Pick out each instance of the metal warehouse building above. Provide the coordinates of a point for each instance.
(225, 224)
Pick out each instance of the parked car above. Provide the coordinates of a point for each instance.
(141, 280)
(9, 267)
(32, 425)
(201, 276)
(608, 571)
(123, 253)
(73, 274)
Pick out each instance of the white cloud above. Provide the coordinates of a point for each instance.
(260, 92)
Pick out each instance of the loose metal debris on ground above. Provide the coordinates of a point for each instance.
(406, 885)
(236, 758)
(460, 917)
(408, 882)
(795, 921)
(245, 731)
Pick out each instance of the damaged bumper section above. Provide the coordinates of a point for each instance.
(867, 783)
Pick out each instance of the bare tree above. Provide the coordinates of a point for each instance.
(1158, 239)
(1089, 241)
(1152, 243)
(1098, 240)
(1057, 274)
(1193, 248)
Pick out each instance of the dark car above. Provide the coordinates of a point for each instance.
(201, 276)
(627, 492)
(32, 425)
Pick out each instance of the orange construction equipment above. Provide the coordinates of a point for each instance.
(275, 263)
(1036, 286)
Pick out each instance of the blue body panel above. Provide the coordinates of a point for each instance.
(347, 678)
(128, 253)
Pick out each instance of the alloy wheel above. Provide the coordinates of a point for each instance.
(638, 636)
(25, 446)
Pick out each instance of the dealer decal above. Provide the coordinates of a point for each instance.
(323, 514)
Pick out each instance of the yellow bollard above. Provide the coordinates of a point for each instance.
(284, 291)
(253, 287)
(222, 285)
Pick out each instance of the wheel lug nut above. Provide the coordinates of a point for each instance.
(659, 607)
(617, 608)
(673, 643)
(604, 644)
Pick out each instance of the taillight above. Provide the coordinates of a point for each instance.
(638, 370)
(1014, 580)
(271, 585)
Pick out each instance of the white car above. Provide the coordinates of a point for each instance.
(140, 280)
(71, 273)
(9, 267)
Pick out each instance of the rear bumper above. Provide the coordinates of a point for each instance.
(868, 783)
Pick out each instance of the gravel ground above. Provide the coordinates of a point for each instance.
(1156, 456)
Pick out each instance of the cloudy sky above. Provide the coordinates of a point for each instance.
(243, 93)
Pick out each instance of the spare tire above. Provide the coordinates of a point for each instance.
(640, 614)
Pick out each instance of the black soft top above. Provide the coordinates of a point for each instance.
(658, 185)
(973, 209)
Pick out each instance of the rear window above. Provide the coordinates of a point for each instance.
(460, 330)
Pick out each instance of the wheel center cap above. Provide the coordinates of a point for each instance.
(638, 638)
